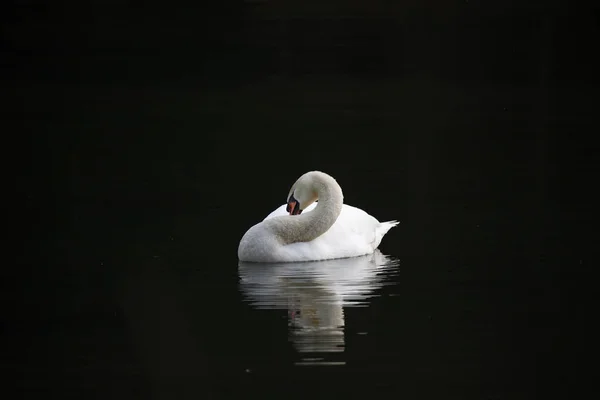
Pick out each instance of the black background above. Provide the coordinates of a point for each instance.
(148, 137)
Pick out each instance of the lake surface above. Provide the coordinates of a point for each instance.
(128, 283)
(460, 302)
(315, 296)
(154, 137)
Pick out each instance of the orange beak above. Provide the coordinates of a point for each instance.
(291, 207)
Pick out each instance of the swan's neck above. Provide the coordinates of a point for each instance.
(309, 226)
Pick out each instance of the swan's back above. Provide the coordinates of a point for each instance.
(353, 234)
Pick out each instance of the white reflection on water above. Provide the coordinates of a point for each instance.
(315, 294)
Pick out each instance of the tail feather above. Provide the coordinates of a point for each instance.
(382, 229)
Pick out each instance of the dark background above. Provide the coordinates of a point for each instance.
(148, 138)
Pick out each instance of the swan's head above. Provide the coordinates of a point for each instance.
(301, 195)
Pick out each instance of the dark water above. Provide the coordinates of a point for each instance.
(144, 168)
(315, 294)
(144, 296)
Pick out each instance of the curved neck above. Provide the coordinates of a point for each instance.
(309, 226)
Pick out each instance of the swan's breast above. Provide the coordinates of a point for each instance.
(258, 245)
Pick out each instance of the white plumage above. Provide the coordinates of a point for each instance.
(354, 233)
(325, 230)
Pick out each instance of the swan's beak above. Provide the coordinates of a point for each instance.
(292, 206)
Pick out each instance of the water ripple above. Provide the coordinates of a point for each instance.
(315, 295)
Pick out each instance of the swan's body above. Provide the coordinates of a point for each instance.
(329, 229)
(354, 233)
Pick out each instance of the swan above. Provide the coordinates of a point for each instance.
(328, 229)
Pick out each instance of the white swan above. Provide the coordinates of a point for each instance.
(328, 230)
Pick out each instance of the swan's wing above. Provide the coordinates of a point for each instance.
(356, 226)
(353, 224)
(354, 233)
(277, 212)
(363, 226)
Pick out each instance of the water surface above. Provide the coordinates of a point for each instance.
(315, 296)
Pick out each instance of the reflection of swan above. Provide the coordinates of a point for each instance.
(316, 316)
(315, 293)
(329, 230)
